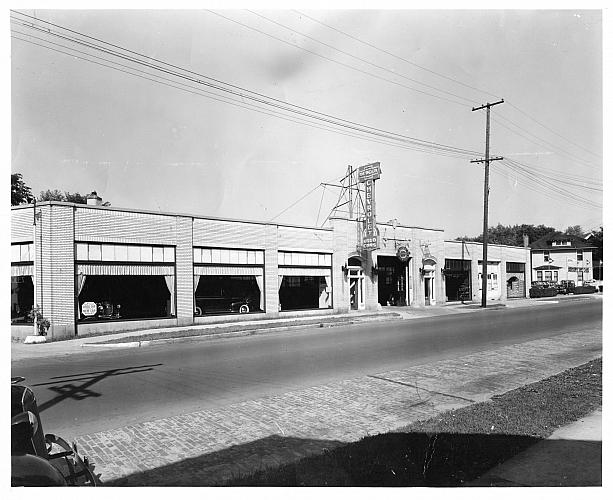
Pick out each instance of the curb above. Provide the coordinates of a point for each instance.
(236, 334)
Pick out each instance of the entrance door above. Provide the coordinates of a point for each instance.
(427, 290)
(356, 288)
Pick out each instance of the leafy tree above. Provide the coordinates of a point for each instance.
(575, 231)
(51, 195)
(511, 235)
(75, 197)
(57, 195)
(20, 192)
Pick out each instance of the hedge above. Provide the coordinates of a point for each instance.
(536, 291)
(584, 289)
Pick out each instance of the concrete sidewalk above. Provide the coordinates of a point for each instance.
(571, 456)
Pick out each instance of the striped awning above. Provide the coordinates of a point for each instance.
(305, 271)
(22, 270)
(124, 270)
(228, 271)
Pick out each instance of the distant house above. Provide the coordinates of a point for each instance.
(558, 256)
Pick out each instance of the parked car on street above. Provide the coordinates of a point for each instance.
(566, 287)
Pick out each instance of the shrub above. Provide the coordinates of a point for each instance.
(542, 292)
(42, 323)
(585, 289)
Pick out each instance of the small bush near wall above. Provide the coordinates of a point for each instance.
(542, 292)
(584, 289)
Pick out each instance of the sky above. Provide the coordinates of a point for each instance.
(81, 126)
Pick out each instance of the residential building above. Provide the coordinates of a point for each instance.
(558, 256)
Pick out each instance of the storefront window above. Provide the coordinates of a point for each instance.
(22, 285)
(121, 282)
(22, 299)
(305, 280)
(103, 298)
(228, 281)
(228, 294)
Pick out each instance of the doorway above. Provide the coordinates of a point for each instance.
(392, 278)
(356, 285)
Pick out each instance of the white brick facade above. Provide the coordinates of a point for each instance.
(62, 225)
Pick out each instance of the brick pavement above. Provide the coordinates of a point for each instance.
(210, 446)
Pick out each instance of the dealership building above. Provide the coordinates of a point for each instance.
(94, 269)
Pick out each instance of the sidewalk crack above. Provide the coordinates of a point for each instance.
(414, 386)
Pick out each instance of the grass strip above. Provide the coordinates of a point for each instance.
(456, 446)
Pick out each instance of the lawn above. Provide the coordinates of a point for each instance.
(456, 446)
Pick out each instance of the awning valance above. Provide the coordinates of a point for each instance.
(305, 271)
(22, 270)
(228, 271)
(124, 270)
(547, 267)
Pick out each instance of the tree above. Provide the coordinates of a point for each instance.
(51, 195)
(20, 192)
(512, 235)
(575, 231)
(57, 195)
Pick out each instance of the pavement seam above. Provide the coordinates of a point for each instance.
(418, 388)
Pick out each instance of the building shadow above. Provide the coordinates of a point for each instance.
(395, 459)
(78, 386)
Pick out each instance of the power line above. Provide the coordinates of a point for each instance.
(445, 77)
(231, 101)
(546, 143)
(266, 100)
(358, 58)
(395, 55)
(554, 132)
(378, 77)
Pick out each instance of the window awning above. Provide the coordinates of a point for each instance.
(22, 270)
(228, 271)
(547, 267)
(305, 271)
(124, 270)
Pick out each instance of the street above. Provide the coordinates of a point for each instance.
(101, 390)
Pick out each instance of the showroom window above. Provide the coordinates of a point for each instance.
(228, 281)
(22, 284)
(305, 280)
(124, 282)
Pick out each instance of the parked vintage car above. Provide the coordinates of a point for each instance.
(220, 305)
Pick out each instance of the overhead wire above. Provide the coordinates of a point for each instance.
(378, 77)
(388, 136)
(396, 56)
(357, 57)
(287, 106)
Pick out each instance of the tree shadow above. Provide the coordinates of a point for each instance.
(394, 459)
(66, 389)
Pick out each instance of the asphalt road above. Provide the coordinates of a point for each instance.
(97, 390)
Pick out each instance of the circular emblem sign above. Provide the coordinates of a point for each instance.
(403, 253)
(89, 308)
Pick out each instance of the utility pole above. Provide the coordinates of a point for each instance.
(486, 192)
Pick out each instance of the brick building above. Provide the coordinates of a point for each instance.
(99, 269)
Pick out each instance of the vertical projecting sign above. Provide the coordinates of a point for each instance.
(368, 174)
